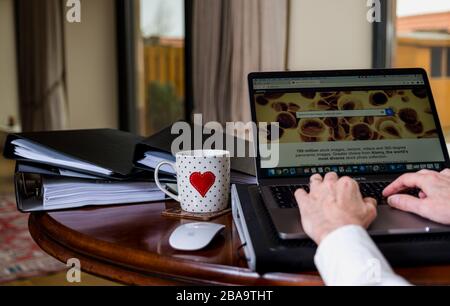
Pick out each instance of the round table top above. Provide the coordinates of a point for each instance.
(129, 244)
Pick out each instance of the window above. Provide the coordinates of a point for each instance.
(423, 40)
(161, 66)
(448, 62)
(436, 62)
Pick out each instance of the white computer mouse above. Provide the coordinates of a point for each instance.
(194, 236)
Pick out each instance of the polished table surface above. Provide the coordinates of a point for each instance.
(129, 244)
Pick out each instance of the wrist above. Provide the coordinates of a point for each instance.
(325, 232)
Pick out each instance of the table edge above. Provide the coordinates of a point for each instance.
(102, 258)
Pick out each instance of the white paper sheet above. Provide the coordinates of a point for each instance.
(68, 193)
(35, 152)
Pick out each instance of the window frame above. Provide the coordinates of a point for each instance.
(437, 62)
(126, 11)
(383, 35)
(447, 66)
(126, 65)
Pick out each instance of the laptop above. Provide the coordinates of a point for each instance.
(371, 125)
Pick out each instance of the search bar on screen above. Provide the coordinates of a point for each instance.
(346, 113)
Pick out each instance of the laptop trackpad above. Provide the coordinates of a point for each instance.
(393, 221)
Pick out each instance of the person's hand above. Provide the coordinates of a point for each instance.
(331, 204)
(434, 197)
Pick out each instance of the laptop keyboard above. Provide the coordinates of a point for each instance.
(284, 194)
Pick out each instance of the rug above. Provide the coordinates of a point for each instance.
(20, 256)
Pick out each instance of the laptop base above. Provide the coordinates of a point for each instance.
(265, 251)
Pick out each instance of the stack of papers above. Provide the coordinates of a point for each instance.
(153, 158)
(38, 153)
(70, 193)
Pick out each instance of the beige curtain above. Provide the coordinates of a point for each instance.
(230, 39)
(40, 42)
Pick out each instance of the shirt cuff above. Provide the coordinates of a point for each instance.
(348, 256)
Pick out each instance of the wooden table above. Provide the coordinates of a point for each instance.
(129, 244)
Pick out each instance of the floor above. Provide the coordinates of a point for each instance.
(6, 174)
(59, 279)
(6, 186)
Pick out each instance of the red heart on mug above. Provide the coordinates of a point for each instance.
(202, 182)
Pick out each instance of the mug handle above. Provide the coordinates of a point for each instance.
(161, 187)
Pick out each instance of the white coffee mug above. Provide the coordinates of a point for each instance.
(203, 180)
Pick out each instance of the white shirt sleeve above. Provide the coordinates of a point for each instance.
(348, 256)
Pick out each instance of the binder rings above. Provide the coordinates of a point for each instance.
(29, 178)
(42, 156)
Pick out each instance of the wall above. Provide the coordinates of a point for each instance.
(91, 67)
(329, 34)
(8, 75)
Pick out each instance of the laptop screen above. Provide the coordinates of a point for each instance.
(348, 124)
